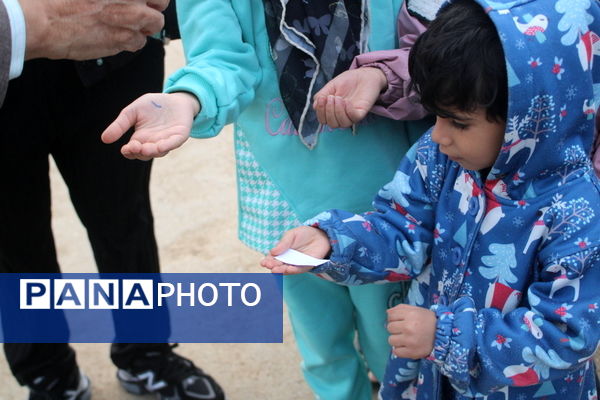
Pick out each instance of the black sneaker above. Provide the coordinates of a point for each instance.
(170, 377)
(41, 389)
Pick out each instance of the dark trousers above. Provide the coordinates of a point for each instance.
(50, 111)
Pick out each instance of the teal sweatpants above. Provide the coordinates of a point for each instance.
(325, 318)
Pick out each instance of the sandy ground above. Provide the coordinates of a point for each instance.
(194, 201)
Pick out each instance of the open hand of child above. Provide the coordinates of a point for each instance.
(162, 122)
(306, 239)
(346, 99)
(412, 331)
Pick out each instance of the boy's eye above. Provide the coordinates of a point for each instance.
(459, 125)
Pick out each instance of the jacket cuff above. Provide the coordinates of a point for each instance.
(395, 88)
(206, 123)
(338, 258)
(454, 344)
(443, 333)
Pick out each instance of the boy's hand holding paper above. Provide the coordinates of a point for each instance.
(300, 250)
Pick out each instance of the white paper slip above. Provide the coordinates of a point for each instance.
(293, 257)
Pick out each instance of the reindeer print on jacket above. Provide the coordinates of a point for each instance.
(509, 262)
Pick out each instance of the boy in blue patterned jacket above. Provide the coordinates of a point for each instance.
(492, 215)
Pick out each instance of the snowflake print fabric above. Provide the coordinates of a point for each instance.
(509, 262)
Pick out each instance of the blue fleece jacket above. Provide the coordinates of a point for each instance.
(510, 264)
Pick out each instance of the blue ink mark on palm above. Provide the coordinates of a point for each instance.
(156, 104)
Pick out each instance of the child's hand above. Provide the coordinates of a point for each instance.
(162, 122)
(412, 331)
(306, 239)
(346, 99)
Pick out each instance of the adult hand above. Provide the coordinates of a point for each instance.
(306, 239)
(412, 331)
(86, 29)
(162, 122)
(346, 99)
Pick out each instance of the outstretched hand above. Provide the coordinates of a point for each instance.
(412, 331)
(348, 98)
(162, 122)
(306, 239)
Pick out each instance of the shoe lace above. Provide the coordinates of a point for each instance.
(175, 368)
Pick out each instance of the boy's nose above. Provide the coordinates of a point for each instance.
(439, 134)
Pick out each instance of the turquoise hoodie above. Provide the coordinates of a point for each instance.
(229, 68)
(281, 182)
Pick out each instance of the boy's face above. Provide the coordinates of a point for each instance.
(469, 138)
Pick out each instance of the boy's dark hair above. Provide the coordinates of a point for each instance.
(458, 63)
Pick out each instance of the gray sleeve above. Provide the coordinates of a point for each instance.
(5, 51)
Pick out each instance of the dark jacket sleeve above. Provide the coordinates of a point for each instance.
(5, 50)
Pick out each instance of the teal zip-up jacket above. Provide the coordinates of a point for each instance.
(230, 70)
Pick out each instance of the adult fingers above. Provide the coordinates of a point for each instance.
(135, 41)
(127, 14)
(134, 16)
(115, 40)
(152, 24)
(159, 5)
